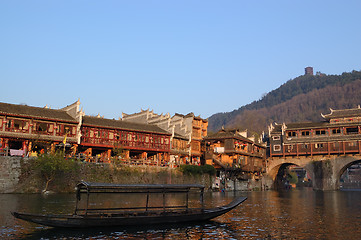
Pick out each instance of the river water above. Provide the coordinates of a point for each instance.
(293, 214)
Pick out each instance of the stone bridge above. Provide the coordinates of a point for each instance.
(325, 170)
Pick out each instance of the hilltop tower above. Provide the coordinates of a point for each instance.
(309, 71)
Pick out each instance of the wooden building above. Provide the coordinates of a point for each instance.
(339, 133)
(199, 132)
(26, 130)
(187, 133)
(101, 137)
(30, 130)
(230, 151)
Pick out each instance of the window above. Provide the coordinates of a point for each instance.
(305, 133)
(67, 129)
(18, 124)
(319, 145)
(320, 132)
(97, 134)
(352, 130)
(276, 137)
(276, 148)
(289, 148)
(336, 131)
(41, 127)
(292, 134)
(124, 136)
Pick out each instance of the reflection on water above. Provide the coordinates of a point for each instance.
(297, 214)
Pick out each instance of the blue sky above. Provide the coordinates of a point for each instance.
(171, 56)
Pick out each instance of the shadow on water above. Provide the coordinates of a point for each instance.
(164, 231)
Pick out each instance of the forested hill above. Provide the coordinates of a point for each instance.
(298, 100)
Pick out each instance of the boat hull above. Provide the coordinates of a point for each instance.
(76, 221)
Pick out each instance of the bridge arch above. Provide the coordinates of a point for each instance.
(276, 165)
(342, 164)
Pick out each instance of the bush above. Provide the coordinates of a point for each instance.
(209, 169)
(194, 169)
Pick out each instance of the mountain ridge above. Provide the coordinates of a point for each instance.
(300, 99)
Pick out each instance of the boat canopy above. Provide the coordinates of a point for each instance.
(108, 188)
(87, 187)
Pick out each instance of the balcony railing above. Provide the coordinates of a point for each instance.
(124, 143)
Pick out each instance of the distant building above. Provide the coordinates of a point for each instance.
(309, 71)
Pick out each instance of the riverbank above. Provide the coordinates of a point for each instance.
(22, 175)
(25, 175)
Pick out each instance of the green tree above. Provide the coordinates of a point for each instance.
(52, 164)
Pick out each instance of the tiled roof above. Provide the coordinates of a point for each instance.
(226, 134)
(277, 129)
(34, 112)
(343, 113)
(176, 135)
(306, 125)
(111, 123)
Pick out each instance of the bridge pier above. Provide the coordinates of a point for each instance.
(325, 176)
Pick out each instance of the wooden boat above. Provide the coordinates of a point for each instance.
(96, 216)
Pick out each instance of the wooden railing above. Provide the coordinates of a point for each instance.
(325, 148)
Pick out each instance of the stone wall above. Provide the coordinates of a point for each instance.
(18, 175)
(10, 169)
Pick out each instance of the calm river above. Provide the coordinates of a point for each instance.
(295, 214)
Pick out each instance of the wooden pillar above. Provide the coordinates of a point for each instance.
(75, 148)
(88, 154)
(109, 154)
(6, 143)
(52, 148)
(126, 154)
(24, 146)
(328, 148)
